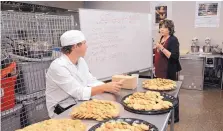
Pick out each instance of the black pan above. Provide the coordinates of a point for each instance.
(167, 97)
(127, 120)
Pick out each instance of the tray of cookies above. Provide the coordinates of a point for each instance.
(159, 84)
(121, 124)
(149, 102)
(95, 109)
(56, 125)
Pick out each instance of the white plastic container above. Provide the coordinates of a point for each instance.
(56, 52)
(137, 77)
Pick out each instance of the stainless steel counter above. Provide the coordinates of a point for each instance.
(201, 55)
(192, 73)
(194, 67)
(161, 121)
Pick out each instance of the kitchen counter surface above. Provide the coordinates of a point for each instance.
(201, 55)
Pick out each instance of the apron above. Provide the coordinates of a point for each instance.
(161, 63)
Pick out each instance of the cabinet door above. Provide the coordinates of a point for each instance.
(193, 82)
(192, 66)
(192, 73)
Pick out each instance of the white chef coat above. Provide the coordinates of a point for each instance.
(67, 82)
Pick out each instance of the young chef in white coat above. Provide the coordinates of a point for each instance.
(68, 78)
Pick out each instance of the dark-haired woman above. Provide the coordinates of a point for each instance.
(167, 55)
(167, 52)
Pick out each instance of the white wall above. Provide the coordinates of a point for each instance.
(134, 6)
(183, 17)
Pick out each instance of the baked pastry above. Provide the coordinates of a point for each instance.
(148, 101)
(96, 109)
(56, 125)
(159, 84)
(122, 126)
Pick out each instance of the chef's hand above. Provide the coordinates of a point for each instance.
(113, 87)
(159, 46)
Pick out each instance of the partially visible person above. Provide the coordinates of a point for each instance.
(68, 78)
(167, 63)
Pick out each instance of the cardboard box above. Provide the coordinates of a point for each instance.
(130, 82)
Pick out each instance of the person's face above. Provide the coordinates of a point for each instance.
(164, 31)
(81, 49)
(162, 9)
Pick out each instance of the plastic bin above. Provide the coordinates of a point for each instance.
(8, 81)
(10, 119)
(8, 93)
(11, 69)
(35, 110)
(32, 77)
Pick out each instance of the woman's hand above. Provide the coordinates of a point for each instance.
(165, 51)
(159, 46)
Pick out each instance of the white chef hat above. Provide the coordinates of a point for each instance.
(71, 37)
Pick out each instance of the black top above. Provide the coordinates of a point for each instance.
(173, 62)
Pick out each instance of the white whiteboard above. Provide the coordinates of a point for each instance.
(118, 42)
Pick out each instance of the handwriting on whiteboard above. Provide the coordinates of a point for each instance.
(105, 38)
(101, 57)
(107, 18)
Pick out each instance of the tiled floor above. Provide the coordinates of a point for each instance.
(200, 110)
